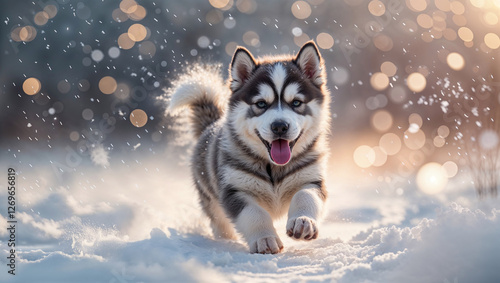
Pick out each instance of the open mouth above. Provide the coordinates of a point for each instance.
(280, 150)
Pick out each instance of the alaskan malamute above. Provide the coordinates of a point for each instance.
(262, 144)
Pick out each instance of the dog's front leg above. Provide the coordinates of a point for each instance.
(305, 210)
(256, 226)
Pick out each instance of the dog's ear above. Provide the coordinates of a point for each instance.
(310, 62)
(242, 66)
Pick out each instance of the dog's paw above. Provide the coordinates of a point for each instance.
(267, 245)
(302, 228)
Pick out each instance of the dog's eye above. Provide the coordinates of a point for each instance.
(261, 104)
(296, 103)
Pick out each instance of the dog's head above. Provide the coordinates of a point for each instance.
(277, 104)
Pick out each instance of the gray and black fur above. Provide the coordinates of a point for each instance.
(239, 182)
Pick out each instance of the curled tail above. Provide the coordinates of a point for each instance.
(203, 90)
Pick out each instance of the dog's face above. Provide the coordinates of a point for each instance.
(276, 105)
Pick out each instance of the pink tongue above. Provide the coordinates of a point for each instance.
(280, 151)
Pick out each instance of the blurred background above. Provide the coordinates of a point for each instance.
(415, 84)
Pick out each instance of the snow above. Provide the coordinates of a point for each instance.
(131, 222)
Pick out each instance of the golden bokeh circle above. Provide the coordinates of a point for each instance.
(432, 178)
(107, 85)
(492, 40)
(451, 168)
(465, 34)
(414, 141)
(41, 18)
(364, 156)
(379, 81)
(139, 14)
(128, 6)
(455, 61)
(301, 10)
(388, 68)
(382, 120)
(31, 86)
(137, 32)
(138, 118)
(51, 10)
(390, 143)
(376, 8)
(325, 40)
(416, 82)
(124, 41)
(219, 4)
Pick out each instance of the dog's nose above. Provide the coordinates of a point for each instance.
(279, 127)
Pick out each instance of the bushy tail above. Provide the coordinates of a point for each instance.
(202, 89)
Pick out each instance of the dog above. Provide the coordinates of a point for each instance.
(262, 145)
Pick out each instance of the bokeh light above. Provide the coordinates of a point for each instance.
(383, 42)
(488, 139)
(492, 40)
(416, 5)
(376, 7)
(490, 18)
(25, 33)
(325, 40)
(451, 169)
(31, 86)
(125, 42)
(477, 3)
(64, 86)
(364, 156)
(382, 120)
(250, 38)
(397, 94)
(122, 91)
(107, 85)
(439, 141)
(87, 114)
(425, 21)
(388, 68)
(414, 141)
(128, 6)
(301, 10)
(443, 5)
(379, 81)
(416, 82)
(380, 156)
(340, 76)
(416, 119)
(51, 10)
(465, 34)
(138, 118)
(455, 61)
(457, 8)
(139, 13)
(246, 6)
(147, 49)
(74, 136)
(390, 143)
(231, 47)
(432, 178)
(219, 4)
(443, 131)
(119, 16)
(137, 32)
(41, 18)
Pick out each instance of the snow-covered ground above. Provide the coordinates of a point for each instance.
(138, 220)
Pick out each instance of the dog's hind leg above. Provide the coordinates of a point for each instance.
(221, 225)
